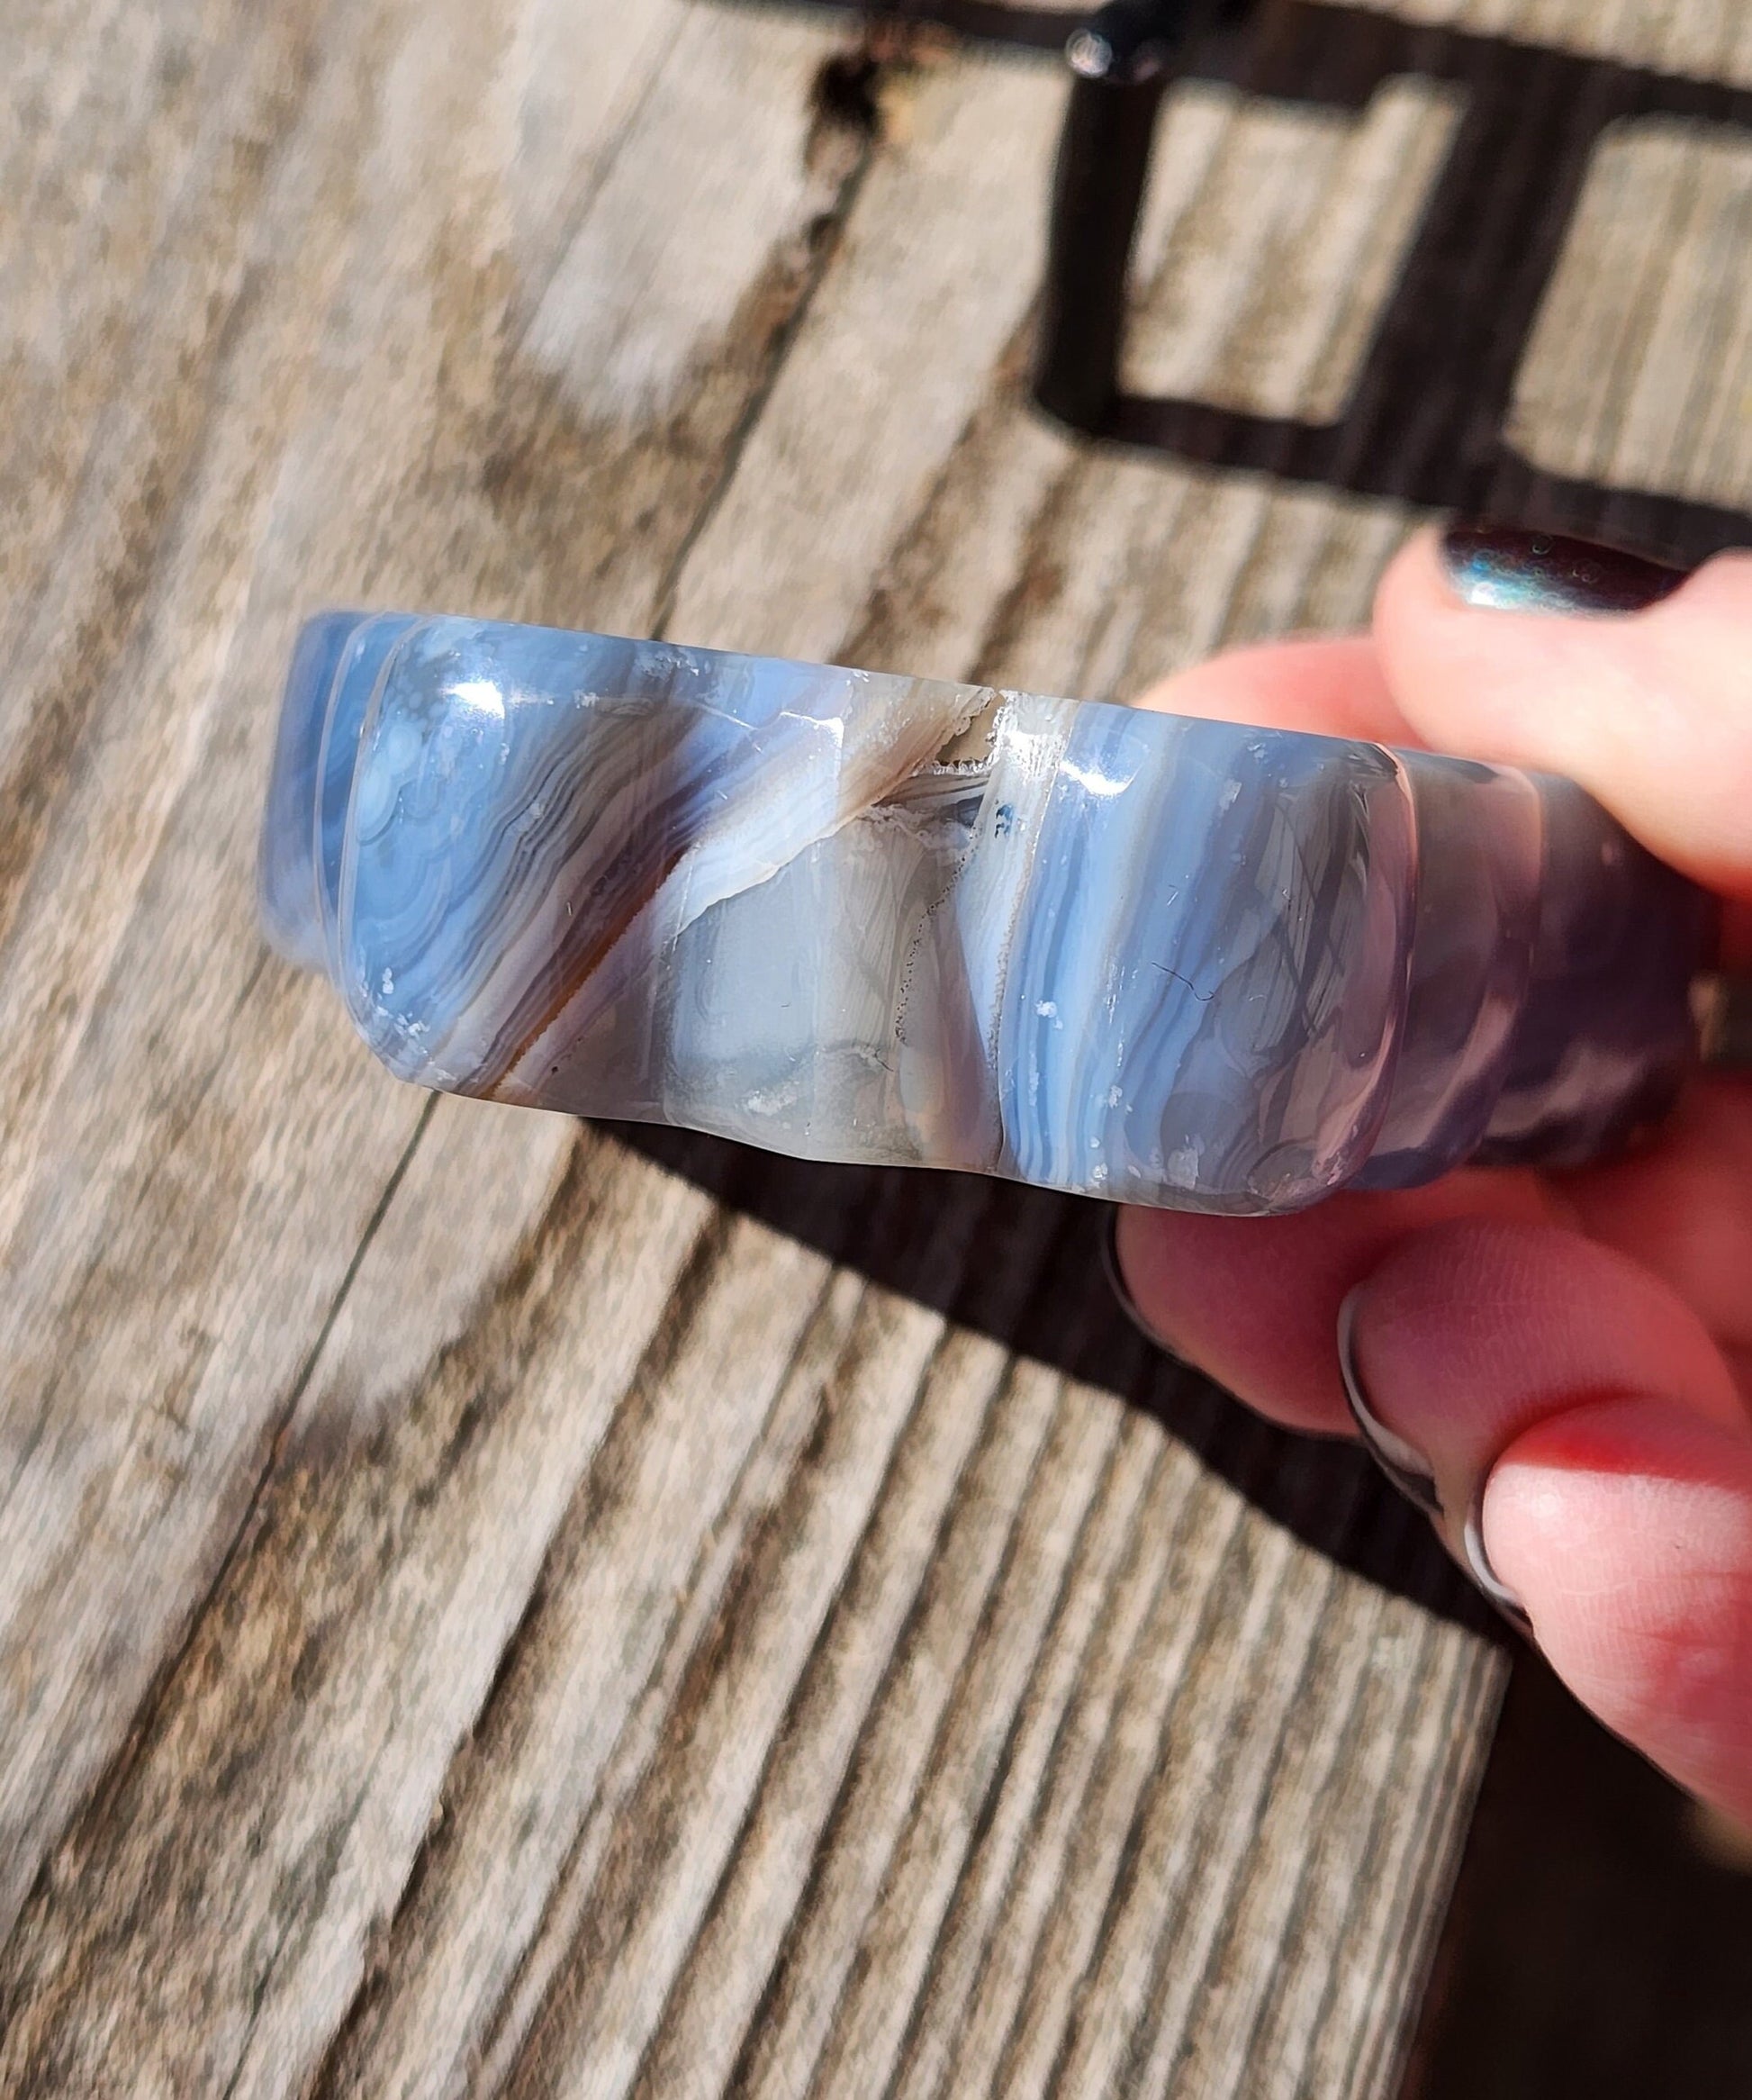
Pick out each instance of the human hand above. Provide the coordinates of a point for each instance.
(1557, 1366)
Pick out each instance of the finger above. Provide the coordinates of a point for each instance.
(1471, 1332)
(1650, 710)
(1254, 1301)
(1333, 685)
(1628, 1522)
(1682, 1208)
(1584, 1449)
(1338, 686)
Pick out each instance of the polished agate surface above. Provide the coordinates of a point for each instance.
(858, 917)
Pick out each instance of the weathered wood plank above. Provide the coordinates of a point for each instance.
(1330, 204)
(484, 1616)
(937, 270)
(1655, 281)
(1710, 40)
(531, 1806)
(192, 1156)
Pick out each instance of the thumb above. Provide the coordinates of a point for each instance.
(1579, 1441)
(1566, 657)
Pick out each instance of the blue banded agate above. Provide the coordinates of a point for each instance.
(856, 917)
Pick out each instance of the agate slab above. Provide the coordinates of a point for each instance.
(852, 916)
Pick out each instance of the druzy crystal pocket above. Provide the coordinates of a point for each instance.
(858, 917)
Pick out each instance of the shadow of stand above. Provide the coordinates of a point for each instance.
(1025, 1267)
(1426, 423)
(1427, 419)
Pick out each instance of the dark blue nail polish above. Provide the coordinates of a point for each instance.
(1513, 570)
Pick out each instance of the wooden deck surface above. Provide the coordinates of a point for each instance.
(492, 1607)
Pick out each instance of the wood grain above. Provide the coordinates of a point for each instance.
(1707, 40)
(1331, 204)
(1655, 282)
(502, 1608)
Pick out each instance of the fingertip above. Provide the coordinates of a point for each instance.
(1624, 1526)
(1199, 1286)
(1254, 1301)
(1414, 605)
(1411, 578)
(1682, 1208)
(1473, 1330)
(1646, 708)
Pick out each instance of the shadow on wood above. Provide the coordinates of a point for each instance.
(1025, 1266)
(1428, 419)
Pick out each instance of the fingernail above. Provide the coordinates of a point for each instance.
(1478, 1560)
(1121, 1290)
(1403, 1464)
(1412, 1473)
(1512, 570)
